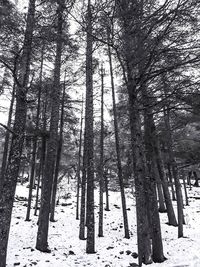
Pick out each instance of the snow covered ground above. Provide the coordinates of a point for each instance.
(112, 250)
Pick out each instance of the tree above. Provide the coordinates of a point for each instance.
(7, 138)
(119, 165)
(42, 234)
(35, 139)
(58, 156)
(89, 137)
(10, 178)
(101, 163)
(79, 165)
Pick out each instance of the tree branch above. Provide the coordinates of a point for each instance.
(8, 129)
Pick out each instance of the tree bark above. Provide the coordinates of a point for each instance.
(171, 181)
(35, 140)
(196, 179)
(58, 158)
(189, 178)
(79, 165)
(7, 138)
(119, 165)
(170, 210)
(101, 164)
(83, 191)
(150, 143)
(185, 190)
(179, 196)
(107, 208)
(42, 235)
(143, 234)
(42, 156)
(90, 244)
(162, 207)
(11, 174)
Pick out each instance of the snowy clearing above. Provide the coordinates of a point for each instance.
(111, 250)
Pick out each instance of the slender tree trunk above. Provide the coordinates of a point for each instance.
(35, 140)
(79, 165)
(90, 244)
(37, 189)
(175, 175)
(196, 179)
(11, 174)
(143, 234)
(161, 199)
(42, 156)
(107, 208)
(58, 158)
(170, 210)
(42, 235)
(7, 138)
(41, 172)
(171, 182)
(149, 138)
(119, 167)
(101, 165)
(185, 190)
(189, 178)
(83, 192)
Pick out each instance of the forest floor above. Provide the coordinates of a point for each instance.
(112, 250)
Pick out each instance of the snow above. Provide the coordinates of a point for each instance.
(112, 249)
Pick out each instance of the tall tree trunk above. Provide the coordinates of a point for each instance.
(11, 174)
(79, 165)
(189, 178)
(119, 166)
(42, 235)
(161, 199)
(143, 234)
(179, 196)
(170, 210)
(58, 157)
(90, 244)
(185, 190)
(150, 143)
(38, 188)
(42, 155)
(7, 138)
(107, 208)
(101, 164)
(35, 140)
(171, 181)
(196, 179)
(83, 191)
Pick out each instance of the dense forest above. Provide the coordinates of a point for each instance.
(101, 99)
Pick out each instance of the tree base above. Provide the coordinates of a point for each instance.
(162, 259)
(172, 224)
(162, 210)
(107, 209)
(52, 220)
(90, 252)
(45, 250)
(100, 235)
